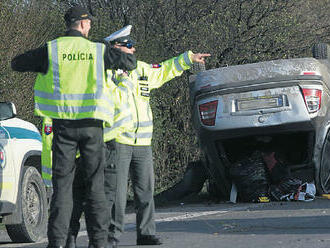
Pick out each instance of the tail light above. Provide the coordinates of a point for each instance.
(208, 112)
(312, 99)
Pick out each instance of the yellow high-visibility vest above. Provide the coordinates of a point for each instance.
(74, 86)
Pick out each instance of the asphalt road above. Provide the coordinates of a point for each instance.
(227, 225)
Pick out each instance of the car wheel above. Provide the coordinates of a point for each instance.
(321, 51)
(191, 183)
(34, 209)
(324, 171)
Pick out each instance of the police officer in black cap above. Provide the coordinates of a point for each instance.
(66, 66)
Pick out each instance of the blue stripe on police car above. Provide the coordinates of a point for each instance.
(22, 133)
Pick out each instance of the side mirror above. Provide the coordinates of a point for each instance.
(7, 110)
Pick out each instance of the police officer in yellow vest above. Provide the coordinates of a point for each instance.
(132, 131)
(71, 89)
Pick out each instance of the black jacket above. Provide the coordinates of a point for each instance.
(36, 60)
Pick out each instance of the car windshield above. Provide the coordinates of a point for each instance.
(6, 111)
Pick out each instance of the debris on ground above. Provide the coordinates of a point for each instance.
(262, 177)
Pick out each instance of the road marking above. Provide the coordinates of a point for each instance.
(189, 216)
(181, 217)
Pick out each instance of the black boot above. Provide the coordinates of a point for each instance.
(71, 241)
(148, 240)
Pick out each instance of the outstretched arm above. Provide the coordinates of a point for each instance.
(173, 67)
(35, 60)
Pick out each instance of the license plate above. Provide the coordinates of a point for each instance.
(262, 102)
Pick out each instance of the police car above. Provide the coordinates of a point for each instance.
(23, 197)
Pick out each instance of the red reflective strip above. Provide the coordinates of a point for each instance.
(309, 73)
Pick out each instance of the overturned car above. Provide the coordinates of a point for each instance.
(279, 106)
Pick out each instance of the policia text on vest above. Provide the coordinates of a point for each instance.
(77, 56)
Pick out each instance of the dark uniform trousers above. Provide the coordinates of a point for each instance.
(138, 161)
(79, 200)
(69, 136)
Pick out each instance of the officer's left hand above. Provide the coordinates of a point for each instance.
(199, 57)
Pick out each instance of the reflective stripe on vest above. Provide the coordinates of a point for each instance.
(72, 109)
(122, 122)
(47, 176)
(137, 135)
(47, 170)
(186, 60)
(143, 124)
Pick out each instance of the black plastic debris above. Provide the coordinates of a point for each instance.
(251, 179)
(281, 191)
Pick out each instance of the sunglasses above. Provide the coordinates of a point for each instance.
(128, 45)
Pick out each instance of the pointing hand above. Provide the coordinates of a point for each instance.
(200, 57)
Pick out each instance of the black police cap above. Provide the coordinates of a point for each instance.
(77, 13)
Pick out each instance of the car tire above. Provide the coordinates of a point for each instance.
(191, 183)
(323, 177)
(321, 51)
(34, 209)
